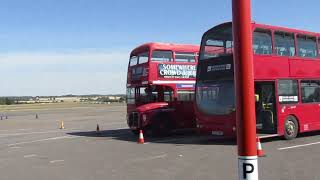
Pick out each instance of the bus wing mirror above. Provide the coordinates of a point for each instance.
(257, 97)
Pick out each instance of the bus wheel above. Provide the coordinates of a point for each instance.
(160, 126)
(135, 132)
(290, 128)
(148, 131)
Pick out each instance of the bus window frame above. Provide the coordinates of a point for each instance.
(318, 46)
(309, 37)
(294, 42)
(131, 99)
(161, 50)
(298, 94)
(208, 36)
(130, 65)
(190, 93)
(266, 31)
(148, 57)
(182, 53)
(300, 89)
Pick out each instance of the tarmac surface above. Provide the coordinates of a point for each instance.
(35, 148)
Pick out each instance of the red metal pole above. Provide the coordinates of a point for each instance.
(245, 102)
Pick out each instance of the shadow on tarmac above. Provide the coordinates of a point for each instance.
(281, 138)
(181, 138)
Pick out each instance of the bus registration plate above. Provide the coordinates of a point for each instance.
(217, 133)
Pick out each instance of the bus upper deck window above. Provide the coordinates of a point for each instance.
(262, 42)
(165, 56)
(133, 60)
(185, 57)
(143, 57)
(284, 44)
(307, 46)
(217, 42)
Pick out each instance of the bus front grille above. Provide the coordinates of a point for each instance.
(134, 119)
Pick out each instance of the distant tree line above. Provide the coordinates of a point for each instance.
(106, 99)
(6, 101)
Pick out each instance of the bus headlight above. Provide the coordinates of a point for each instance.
(234, 128)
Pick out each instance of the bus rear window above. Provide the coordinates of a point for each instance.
(165, 56)
(185, 57)
(307, 46)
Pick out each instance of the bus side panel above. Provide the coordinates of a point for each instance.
(304, 68)
(153, 71)
(282, 115)
(184, 116)
(304, 113)
(270, 67)
(308, 118)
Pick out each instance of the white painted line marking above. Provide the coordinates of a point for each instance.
(15, 147)
(14, 130)
(55, 161)
(41, 132)
(297, 146)
(42, 140)
(149, 158)
(30, 155)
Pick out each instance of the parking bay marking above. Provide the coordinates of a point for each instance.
(14, 130)
(298, 146)
(41, 132)
(41, 140)
(30, 155)
(149, 158)
(55, 161)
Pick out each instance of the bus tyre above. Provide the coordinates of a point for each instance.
(135, 132)
(291, 128)
(160, 126)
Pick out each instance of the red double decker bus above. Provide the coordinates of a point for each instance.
(286, 78)
(160, 87)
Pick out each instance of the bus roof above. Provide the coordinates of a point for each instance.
(273, 28)
(166, 46)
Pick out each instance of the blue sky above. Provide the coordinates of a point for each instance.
(54, 47)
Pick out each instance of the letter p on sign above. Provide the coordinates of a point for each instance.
(248, 168)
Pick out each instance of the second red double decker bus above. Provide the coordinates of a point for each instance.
(286, 75)
(160, 87)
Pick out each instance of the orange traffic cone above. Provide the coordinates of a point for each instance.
(98, 129)
(260, 152)
(141, 139)
(62, 125)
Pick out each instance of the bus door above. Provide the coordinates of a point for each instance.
(266, 107)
